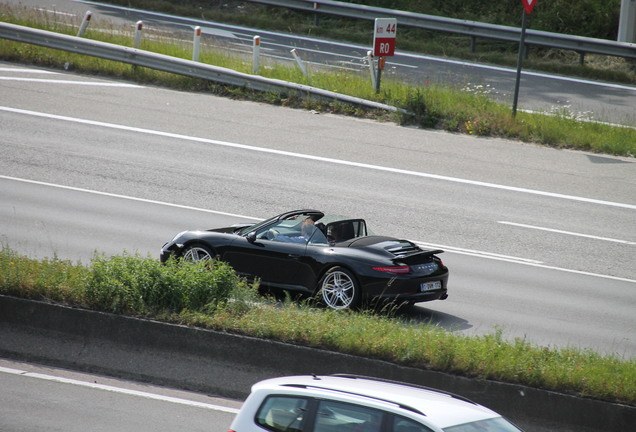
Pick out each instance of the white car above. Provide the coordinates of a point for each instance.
(350, 403)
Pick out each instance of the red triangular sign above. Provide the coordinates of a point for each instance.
(528, 5)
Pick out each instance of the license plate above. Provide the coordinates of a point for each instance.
(430, 286)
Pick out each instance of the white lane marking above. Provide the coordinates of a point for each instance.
(56, 81)
(119, 390)
(473, 252)
(450, 249)
(322, 65)
(55, 12)
(522, 261)
(525, 72)
(111, 195)
(21, 70)
(586, 120)
(320, 158)
(220, 32)
(567, 232)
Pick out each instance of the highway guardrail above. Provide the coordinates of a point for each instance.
(174, 65)
(473, 29)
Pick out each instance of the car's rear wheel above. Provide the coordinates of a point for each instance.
(339, 289)
(196, 253)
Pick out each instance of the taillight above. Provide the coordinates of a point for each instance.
(395, 269)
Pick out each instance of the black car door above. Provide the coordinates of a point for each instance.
(275, 263)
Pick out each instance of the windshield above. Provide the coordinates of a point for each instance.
(299, 229)
(247, 229)
(498, 424)
(291, 216)
(324, 228)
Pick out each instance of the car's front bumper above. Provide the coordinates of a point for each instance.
(169, 249)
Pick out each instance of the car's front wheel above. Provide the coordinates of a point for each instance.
(196, 253)
(339, 289)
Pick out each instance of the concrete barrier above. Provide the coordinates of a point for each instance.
(227, 365)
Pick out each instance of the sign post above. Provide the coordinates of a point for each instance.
(528, 5)
(383, 44)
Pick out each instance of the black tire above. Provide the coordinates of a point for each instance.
(339, 289)
(197, 252)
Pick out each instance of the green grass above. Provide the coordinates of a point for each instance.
(468, 110)
(212, 296)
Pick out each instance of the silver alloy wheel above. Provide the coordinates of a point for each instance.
(338, 290)
(197, 253)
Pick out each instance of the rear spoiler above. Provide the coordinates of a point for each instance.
(422, 252)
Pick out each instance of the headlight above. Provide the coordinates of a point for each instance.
(174, 240)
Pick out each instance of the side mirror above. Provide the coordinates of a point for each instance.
(251, 236)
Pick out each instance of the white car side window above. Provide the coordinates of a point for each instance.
(282, 413)
(342, 417)
(401, 424)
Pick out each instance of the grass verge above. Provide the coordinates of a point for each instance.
(467, 110)
(213, 297)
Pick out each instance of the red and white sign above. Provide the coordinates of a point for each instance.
(528, 5)
(384, 37)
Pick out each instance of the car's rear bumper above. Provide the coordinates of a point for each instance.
(406, 289)
(417, 297)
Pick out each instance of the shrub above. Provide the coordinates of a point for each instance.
(136, 285)
(126, 284)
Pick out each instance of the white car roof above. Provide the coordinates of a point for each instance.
(441, 409)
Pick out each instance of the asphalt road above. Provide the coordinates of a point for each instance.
(581, 98)
(36, 398)
(539, 241)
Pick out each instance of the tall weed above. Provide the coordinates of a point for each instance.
(48, 279)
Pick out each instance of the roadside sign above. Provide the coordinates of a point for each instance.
(384, 37)
(528, 5)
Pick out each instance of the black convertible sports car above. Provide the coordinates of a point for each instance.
(330, 257)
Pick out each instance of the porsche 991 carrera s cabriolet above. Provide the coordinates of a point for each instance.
(332, 258)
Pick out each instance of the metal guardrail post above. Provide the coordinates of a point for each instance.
(196, 44)
(138, 27)
(299, 61)
(316, 16)
(84, 25)
(372, 68)
(256, 50)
